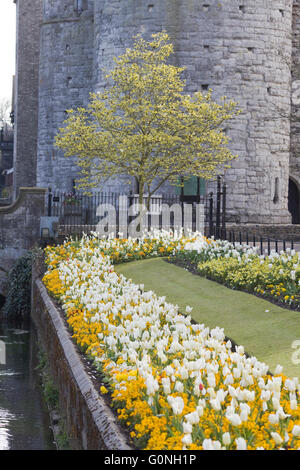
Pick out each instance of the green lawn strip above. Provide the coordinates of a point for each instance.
(266, 335)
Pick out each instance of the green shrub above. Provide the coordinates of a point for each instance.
(18, 299)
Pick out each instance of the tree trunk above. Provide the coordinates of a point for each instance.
(141, 211)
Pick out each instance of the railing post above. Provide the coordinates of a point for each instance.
(211, 214)
(49, 202)
(224, 189)
(218, 215)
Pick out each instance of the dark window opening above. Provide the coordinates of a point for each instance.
(80, 5)
(294, 202)
(2, 301)
(191, 189)
(276, 191)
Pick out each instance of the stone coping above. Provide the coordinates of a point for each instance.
(23, 192)
(274, 231)
(104, 419)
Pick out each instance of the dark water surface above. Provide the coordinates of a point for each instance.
(24, 420)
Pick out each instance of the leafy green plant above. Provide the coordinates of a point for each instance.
(51, 397)
(50, 392)
(18, 300)
(62, 440)
(6, 193)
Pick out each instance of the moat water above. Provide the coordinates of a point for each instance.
(24, 419)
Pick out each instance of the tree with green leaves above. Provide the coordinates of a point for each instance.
(144, 126)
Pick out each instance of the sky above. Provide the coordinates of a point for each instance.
(7, 46)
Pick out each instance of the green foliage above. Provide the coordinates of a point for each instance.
(18, 299)
(62, 440)
(272, 280)
(5, 193)
(50, 392)
(51, 397)
(144, 126)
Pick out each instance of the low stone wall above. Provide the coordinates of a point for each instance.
(279, 232)
(91, 425)
(19, 228)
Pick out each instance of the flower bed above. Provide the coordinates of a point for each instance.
(175, 384)
(275, 277)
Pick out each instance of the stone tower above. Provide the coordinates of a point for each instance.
(66, 79)
(29, 17)
(239, 48)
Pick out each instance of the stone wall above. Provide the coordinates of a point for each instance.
(19, 229)
(286, 232)
(90, 422)
(295, 116)
(241, 49)
(29, 14)
(66, 79)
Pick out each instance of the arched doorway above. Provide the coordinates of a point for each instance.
(2, 301)
(294, 202)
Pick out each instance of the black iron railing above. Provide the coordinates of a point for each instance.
(77, 209)
(265, 245)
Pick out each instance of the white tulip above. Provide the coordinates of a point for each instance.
(200, 411)
(278, 370)
(241, 444)
(296, 430)
(277, 438)
(276, 403)
(236, 373)
(265, 395)
(187, 439)
(226, 438)
(211, 380)
(228, 380)
(193, 417)
(273, 418)
(166, 385)
(187, 428)
(179, 387)
(208, 444)
(217, 445)
(177, 404)
(216, 405)
(293, 404)
(221, 395)
(290, 385)
(235, 419)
